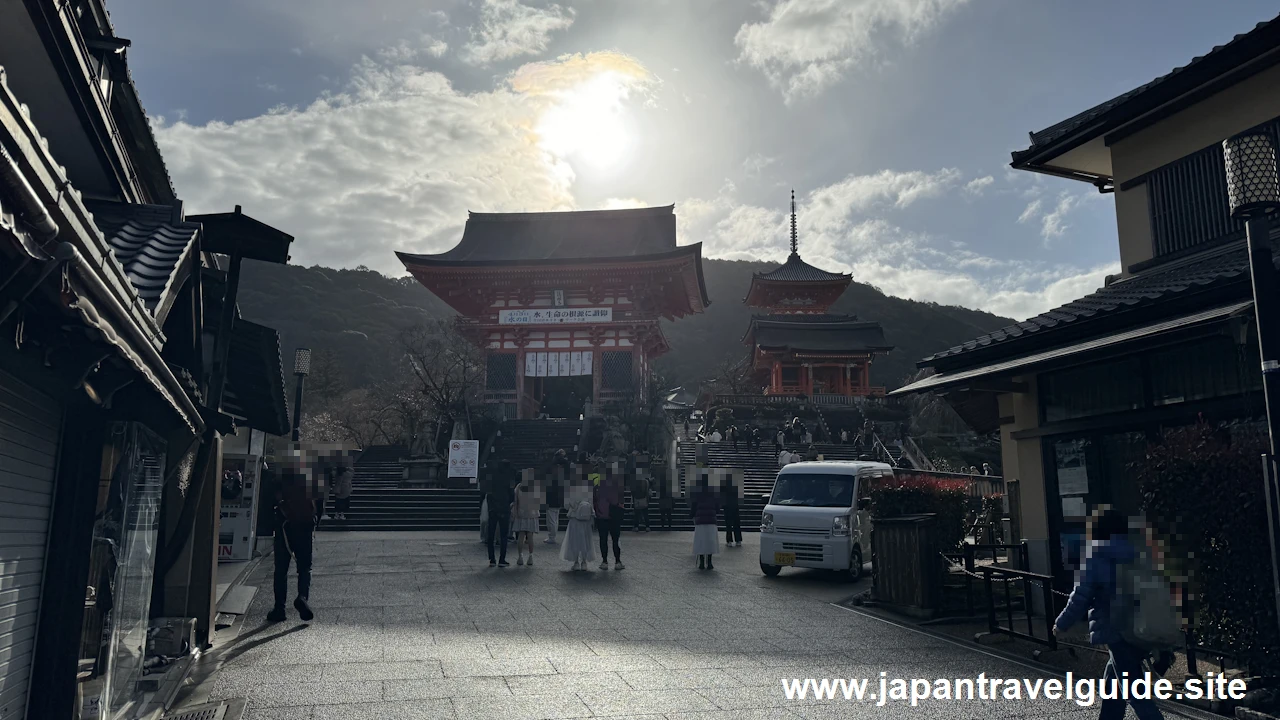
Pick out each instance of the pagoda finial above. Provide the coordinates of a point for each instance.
(793, 222)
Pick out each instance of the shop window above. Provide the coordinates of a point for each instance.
(114, 636)
(1088, 390)
(1208, 368)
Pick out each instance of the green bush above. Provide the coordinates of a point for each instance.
(1202, 490)
(914, 494)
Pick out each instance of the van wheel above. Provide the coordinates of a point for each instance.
(855, 564)
(770, 570)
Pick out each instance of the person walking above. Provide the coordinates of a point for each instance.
(733, 436)
(844, 436)
(608, 509)
(1109, 548)
(525, 516)
(342, 490)
(500, 499)
(297, 490)
(779, 441)
(732, 518)
(703, 507)
(557, 477)
(686, 427)
(577, 547)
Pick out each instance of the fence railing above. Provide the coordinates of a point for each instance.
(1029, 580)
(916, 455)
(758, 399)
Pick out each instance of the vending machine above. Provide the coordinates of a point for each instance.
(241, 480)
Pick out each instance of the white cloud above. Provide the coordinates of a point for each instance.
(756, 163)
(509, 28)
(394, 162)
(407, 51)
(977, 186)
(1031, 212)
(1053, 222)
(805, 46)
(842, 227)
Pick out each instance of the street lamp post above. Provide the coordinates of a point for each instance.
(1253, 190)
(301, 367)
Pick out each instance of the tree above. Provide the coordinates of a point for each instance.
(326, 383)
(448, 369)
(734, 376)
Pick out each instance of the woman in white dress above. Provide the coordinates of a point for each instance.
(703, 507)
(577, 547)
(525, 517)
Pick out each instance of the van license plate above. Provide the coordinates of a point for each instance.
(784, 558)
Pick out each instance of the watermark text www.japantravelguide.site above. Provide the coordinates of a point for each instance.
(1083, 691)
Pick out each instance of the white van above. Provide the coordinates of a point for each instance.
(817, 517)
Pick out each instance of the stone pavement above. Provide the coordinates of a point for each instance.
(416, 625)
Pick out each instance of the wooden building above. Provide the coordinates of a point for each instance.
(1079, 391)
(566, 306)
(124, 365)
(797, 346)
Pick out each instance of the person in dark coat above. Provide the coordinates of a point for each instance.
(557, 478)
(500, 494)
(1109, 547)
(297, 494)
(732, 519)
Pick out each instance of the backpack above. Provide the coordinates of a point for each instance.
(582, 511)
(1143, 610)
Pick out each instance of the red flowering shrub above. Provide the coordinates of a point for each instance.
(912, 494)
(1202, 489)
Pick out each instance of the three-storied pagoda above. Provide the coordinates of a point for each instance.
(566, 305)
(797, 347)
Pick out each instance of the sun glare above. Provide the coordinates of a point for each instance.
(589, 123)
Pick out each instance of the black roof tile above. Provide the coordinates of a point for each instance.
(797, 270)
(508, 237)
(1246, 45)
(150, 246)
(1161, 284)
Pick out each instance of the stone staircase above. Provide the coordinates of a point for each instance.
(530, 443)
(760, 467)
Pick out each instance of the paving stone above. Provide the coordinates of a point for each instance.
(401, 710)
(522, 707)
(415, 625)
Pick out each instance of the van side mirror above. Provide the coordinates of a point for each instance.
(864, 503)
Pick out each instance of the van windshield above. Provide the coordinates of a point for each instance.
(813, 490)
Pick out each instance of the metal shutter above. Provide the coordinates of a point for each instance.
(29, 424)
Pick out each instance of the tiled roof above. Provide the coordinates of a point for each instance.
(149, 245)
(590, 234)
(1163, 284)
(797, 270)
(830, 333)
(1221, 58)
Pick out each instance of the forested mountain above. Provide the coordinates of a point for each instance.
(357, 314)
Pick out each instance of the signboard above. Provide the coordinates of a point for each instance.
(464, 458)
(557, 364)
(554, 316)
(557, 297)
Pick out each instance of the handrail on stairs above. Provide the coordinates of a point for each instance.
(916, 455)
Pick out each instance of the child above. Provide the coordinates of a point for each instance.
(525, 517)
(1109, 546)
(577, 547)
(703, 507)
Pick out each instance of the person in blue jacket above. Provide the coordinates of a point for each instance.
(1109, 546)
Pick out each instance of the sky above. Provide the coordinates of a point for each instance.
(364, 128)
